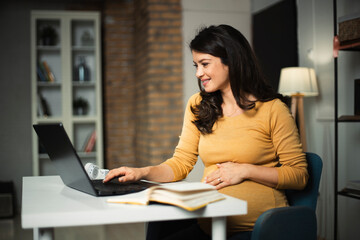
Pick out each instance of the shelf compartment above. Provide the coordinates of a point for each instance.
(53, 60)
(83, 32)
(349, 118)
(82, 136)
(48, 32)
(87, 94)
(89, 62)
(50, 99)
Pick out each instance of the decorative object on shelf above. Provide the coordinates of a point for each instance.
(81, 106)
(48, 36)
(87, 39)
(81, 72)
(298, 82)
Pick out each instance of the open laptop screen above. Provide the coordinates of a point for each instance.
(64, 157)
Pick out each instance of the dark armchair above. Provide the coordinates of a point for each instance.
(299, 220)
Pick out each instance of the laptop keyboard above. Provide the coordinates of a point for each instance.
(115, 187)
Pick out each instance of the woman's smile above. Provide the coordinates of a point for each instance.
(205, 81)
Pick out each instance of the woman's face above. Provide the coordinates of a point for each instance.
(214, 75)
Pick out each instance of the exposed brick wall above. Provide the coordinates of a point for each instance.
(119, 83)
(143, 80)
(158, 79)
(142, 140)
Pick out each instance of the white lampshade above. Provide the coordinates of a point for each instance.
(298, 80)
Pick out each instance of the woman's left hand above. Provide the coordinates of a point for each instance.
(227, 174)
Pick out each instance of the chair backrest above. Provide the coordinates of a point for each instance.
(308, 196)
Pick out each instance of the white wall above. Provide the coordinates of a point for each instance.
(315, 33)
(200, 13)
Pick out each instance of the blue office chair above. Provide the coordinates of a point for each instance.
(299, 220)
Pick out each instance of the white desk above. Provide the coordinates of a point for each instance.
(47, 203)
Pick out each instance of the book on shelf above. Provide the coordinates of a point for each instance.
(39, 106)
(41, 76)
(43, 106)
(44, 72)
(49, 73)
(190, 196)
(90, 142)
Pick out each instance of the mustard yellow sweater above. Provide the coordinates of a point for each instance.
(265, 135)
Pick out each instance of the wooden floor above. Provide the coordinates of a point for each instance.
(10, 229)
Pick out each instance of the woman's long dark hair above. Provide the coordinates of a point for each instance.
(245, 76)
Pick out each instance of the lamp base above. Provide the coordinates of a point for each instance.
(297, 108)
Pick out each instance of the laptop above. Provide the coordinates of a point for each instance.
(64, 157)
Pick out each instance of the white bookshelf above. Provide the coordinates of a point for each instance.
(62, 56)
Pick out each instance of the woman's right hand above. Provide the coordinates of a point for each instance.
(159, 173)
(125, 174)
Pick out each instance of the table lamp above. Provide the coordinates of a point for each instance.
(298, 82)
